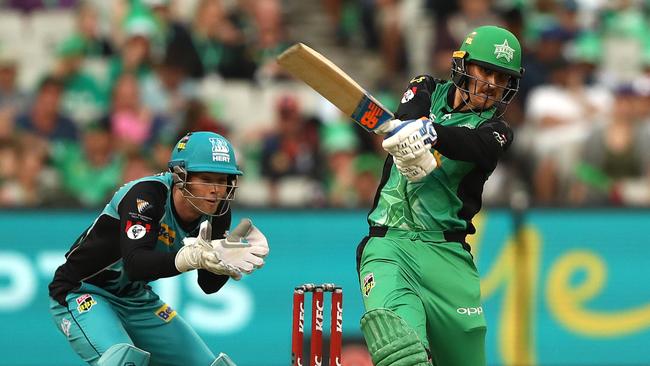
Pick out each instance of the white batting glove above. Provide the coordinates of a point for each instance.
(197, 254)
(416, 169)
(245, 247)
(388, 126)
(411, 139)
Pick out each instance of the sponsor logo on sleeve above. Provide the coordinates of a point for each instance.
(166, 235)
(368, 284)
(417, 79)
(136, 230)
(501, 138)
(166, 313)
(65, 326)
(409, 94)
(142, 205)
(85, 302)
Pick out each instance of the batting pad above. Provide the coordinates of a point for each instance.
(391, 341)
(124, 354)
(223, 360)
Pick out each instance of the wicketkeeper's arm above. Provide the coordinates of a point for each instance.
(139, 228)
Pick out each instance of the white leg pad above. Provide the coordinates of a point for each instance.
(124, 354)
(223, 360)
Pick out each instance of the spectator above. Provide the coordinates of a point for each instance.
(339, 145)
(133, 126)
(32, 183)
(12, 100)
(367, 169)
(10, 96)
(94, 43)
(624, 29)
(44, 118)
(83, 98)
(292, 148)
(218, 45)
(89, 171)
(556, 134)
(545, 53)
(136, 166)
(198, 118)
(135, 54)
(471, 14)
(271, 39)
(8, 160)
(452, 29)
(168, 91)
(175, 38)
(615, 167)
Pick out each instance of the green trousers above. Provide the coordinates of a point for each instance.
(434, 286)
(93, 320)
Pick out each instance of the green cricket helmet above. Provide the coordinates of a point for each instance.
(204, 152)
(493, 48)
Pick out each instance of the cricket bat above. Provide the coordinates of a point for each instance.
(335, 85)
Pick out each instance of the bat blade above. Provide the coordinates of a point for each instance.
(335, 85)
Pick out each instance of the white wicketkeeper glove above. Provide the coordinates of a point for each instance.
(244, 248)
(410, 139)
(198, 254)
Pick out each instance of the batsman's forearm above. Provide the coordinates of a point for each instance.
(472, 145)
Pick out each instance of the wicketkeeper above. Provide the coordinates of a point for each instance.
(154, 227)
(420, 287)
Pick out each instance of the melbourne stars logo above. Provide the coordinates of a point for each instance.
(504, 50)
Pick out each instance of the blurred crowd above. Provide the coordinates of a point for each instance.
(94, 94)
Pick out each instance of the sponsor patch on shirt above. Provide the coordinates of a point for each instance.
(368, 284)
(65, 326)
(409, 94)
(418, 79)
(166, 235)
(501, 138)
(142, 205)
(166, 313)
(85, 302)
(136, 230)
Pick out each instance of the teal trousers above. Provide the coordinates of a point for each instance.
(93, 320)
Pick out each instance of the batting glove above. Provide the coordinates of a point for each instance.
(416, 169)
(411, 139)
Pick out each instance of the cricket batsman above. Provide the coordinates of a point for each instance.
(154, 227)
(419, 284)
